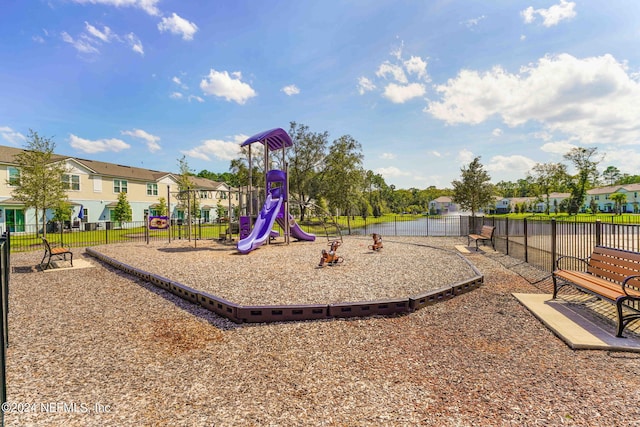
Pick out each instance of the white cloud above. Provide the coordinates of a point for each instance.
(624, 159)
(229, 87)
(176, 95)
(148, 6)
(470, 23)
(436, 153)
(82, 44)
(98, 145)
(105, 35)
(558, 147)
(515, 163)
(552, 16)
(392, 172)
(177, 81)
(365, 85)
(387, 156)
(465, 156)
(594, 99)
(151, 140)
(497, 132)
(223, 150)
(195, 98)
(416, 65)
(395, 71)
(11, 136)
(400, 94)
(291, 90)
(178, 25)
(135, 43)
(407, 78)
(37, 39)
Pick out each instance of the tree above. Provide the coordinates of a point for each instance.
(587, 174)
(547, 178)
(343, 175)
(122, 211)
(474, 190)
(620, 199)
(40, 184)
(306, 159)
(161, 206)
(185, 189)
(611, 175)
(62, 212)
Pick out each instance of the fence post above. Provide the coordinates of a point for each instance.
(598, 232)
(506, 233)
(553, 244)
(526, 241)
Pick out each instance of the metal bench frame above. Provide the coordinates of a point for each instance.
(611, 275)
(53, 250)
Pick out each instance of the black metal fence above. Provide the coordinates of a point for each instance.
(5, 267)
(536, 240)
(540, 242)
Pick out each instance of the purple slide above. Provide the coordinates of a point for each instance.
(296, 231)
(262, 227)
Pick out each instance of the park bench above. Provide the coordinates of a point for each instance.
(486, 235)
(53, 250)
(609, 274)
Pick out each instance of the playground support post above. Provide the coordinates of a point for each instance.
(169, 209)
(250, 190)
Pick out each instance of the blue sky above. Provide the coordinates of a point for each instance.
(424, 86)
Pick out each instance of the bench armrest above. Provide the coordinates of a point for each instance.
(584, 260)
(624, 283)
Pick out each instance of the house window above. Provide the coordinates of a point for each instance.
(119, 186)
(71, 182)
(152, 189)
(15, 220)
(14, 176)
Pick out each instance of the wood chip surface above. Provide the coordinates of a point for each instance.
(96, 347)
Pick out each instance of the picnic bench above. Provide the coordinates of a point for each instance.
(486, 235)
(609, 274)
(54, 250)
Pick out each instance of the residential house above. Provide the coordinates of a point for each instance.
(602, 198)
(93, 188)
(443, 205)
(555, 199)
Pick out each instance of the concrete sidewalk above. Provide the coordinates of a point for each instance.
(580, 327)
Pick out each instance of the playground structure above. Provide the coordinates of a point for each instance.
(331, 257)
(276, 204)
(377, 242)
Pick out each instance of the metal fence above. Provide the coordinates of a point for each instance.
(535, 240)
(540, 242)
(5, 250)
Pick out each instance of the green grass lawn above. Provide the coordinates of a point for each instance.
(604, 217)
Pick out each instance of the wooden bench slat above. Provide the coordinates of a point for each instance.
(617, 253)
(627, 265)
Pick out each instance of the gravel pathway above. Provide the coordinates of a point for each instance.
(94, 347)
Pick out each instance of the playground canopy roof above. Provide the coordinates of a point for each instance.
(275, 139)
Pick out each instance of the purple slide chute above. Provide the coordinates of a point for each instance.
(296, 231)
(262, 228)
